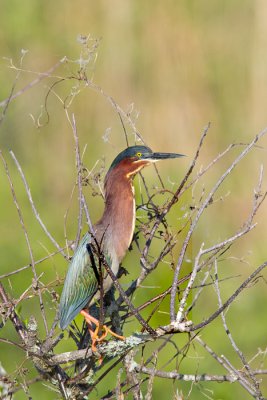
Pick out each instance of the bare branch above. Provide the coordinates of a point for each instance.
(37, 216)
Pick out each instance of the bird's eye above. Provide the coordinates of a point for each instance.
(139, 154)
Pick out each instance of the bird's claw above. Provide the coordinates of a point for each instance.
(99, 339)
(94, 334)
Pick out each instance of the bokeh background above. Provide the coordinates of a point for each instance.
(175, 66)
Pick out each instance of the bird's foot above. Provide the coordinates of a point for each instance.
(99, 339)
(94, 333)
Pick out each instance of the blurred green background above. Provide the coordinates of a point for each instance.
(176, 66)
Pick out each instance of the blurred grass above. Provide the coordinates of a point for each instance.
(182, 64)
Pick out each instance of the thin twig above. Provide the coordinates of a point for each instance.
(37, 216)
(197, 217)
(230, 299)
(35, 284)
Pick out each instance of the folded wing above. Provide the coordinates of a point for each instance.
(80, 284)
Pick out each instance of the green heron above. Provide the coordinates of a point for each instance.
(113, 235)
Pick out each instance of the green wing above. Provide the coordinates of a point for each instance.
(80, 284)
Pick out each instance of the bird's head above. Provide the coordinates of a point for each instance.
(134, 158)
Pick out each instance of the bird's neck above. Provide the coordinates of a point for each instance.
(115, 228)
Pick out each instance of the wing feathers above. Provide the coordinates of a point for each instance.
(80, 284)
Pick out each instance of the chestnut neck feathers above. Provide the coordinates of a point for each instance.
(116, 226)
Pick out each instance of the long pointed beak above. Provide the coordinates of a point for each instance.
(163, 156)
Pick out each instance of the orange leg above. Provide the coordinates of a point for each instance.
(94, 334)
